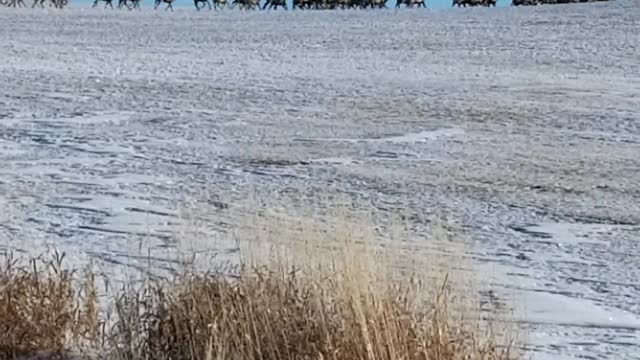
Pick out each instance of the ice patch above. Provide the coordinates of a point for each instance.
(79, 119)
(334, 160)
(98, 118)
(100, 148)
(546, 308)
(8, 149)
(422, 136)
(570, 233)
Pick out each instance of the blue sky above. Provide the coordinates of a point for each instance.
(432, 4)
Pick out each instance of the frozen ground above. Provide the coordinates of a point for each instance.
(522, 125)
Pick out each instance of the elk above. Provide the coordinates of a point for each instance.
(129, 4)
(219, 4)
(108, 3)
(273, 4)
(246, 4)
(473, 3)
(14, 3)
(59, 4)
(168, 2)
(196, 3)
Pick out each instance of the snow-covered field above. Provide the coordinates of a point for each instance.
(521, 125)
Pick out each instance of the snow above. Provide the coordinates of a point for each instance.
(126, 136)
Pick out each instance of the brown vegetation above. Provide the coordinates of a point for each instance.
(346, 303)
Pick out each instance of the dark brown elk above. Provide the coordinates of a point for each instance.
(107, 3)
(274, 4)
(59, 4)
(129, 4)
(14, 3)
(168, 2)
(246, 4)
(219, 4)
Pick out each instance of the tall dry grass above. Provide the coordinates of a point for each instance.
(343, 299)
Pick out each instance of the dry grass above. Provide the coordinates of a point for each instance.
(344, 302)
(37, 307)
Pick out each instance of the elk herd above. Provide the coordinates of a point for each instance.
(253, 4)
(36, 3)
(275, 4)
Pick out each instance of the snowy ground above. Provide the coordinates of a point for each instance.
(522, 125)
